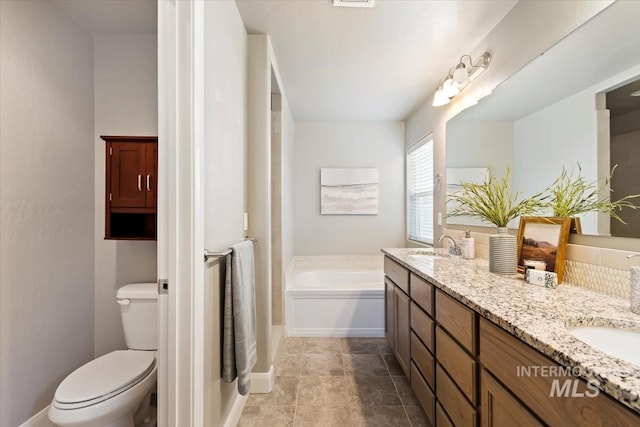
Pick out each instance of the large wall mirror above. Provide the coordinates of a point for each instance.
(577, 104)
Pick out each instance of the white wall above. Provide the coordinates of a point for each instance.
(480, 145)
(126, 103)
(288, 180)
(348, 145)
(525, 32)
(563, 134)
(225, 65)
(47, 215)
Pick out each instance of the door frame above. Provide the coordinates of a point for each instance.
(180, 212)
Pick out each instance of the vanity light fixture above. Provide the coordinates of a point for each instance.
(354, 3)
(459, 77)
(636, 93)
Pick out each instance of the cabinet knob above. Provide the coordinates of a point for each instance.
(139, 182)
(148, 182)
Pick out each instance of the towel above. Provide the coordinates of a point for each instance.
(239, 352)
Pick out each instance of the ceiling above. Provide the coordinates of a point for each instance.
(360, 64)
(337, 63)
(113, 16)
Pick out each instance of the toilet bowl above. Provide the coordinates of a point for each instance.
(106, 391)
(114, 390)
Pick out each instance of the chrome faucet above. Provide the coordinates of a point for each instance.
(454, 248)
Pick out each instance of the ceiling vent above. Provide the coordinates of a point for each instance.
(353, 3)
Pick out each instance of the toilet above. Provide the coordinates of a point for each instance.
(114, 390)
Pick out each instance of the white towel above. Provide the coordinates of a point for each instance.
(239, 352)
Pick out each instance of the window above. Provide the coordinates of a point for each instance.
(420, 190)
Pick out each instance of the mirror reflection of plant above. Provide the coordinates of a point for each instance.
(569, 196)
(492, 201)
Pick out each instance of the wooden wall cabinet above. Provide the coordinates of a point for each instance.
(131, 187)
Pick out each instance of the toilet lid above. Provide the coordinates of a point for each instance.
(104, 375)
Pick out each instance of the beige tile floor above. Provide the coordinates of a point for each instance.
(336, 382)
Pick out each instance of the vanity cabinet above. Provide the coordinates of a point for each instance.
(131, 187)
(503, 356)
(456, 357)
(389, 312)
(467, 372)
(397, 320)
(423, 375)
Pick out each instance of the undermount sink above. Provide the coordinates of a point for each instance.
(621, 343)
(432, 253)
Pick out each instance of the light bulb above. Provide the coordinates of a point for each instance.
(450, 87)
(460, 74)
(439, 98)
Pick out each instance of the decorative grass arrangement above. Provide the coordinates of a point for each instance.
(569, 196)
(492, 201)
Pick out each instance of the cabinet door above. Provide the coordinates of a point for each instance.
(403, 330)
(128, 161)
(389, 312)
(151, 174)
(500, 408)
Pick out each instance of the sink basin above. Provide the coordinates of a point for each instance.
(432, 253)
(621, 343)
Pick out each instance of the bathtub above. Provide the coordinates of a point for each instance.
(334, 303)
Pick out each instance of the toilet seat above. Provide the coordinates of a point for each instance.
(103, 378)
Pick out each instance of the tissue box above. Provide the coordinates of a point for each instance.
(548, 279)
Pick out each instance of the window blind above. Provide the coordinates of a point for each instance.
(420, 191)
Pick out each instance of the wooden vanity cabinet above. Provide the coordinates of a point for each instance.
(456, 346)
(397, 324)
(464, 369)
(502, 355)
(389, 312)
(131, 187)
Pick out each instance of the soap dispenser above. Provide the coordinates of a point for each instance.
(635, 286)
(468, 245)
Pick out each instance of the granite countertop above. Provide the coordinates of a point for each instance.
(538, 316)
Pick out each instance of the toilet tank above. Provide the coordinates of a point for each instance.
(139, 310)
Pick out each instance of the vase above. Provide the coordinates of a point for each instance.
(503, 253)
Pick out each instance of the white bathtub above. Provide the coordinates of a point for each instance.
(334, 303)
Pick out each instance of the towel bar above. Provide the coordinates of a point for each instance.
(212, 254)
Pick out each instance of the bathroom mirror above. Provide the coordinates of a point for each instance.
(576, 104)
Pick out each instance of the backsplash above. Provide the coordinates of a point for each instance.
(599, 269)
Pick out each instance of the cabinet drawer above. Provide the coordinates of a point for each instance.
(502, 354)
(500, 408)
(461, 412)
(397, 273)
(423, 360)
(457, 320)
(422, 325)
(458, 364)
(424, 394)
(442, 419)
(422, 293)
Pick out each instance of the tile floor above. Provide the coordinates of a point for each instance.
(336, 382)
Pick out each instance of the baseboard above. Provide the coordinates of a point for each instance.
(39, 420)
(236, 411)
(336, 332)
(262, 382)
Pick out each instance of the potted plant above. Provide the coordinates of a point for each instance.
(492, 201)
(569, 197)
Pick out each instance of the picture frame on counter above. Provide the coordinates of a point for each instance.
(543, 239)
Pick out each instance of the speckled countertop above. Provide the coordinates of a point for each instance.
(538, 316)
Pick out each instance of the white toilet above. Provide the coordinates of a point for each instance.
(114, 390)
